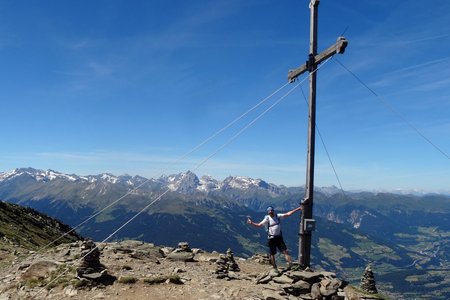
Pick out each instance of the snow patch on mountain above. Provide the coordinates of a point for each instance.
(207, 183)
(109, 178)
(52, 175)
(328, 190)
(357, 216)
(185, 183)
(189, 183)
(38, 175)
(242, 183)
(245, 183)
(8, 175)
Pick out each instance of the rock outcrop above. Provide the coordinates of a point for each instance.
(146, 271)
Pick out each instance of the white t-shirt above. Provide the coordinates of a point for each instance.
(273, 223)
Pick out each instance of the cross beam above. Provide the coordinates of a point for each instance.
(311, 64)
(336, 48)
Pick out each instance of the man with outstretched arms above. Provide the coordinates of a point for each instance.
(274, 234)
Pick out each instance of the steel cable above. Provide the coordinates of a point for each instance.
(393, 110)
(199, 165)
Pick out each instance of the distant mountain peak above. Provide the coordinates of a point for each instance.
(38, 175)
(109, 177)
(207, 183)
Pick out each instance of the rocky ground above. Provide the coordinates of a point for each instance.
(136, 270)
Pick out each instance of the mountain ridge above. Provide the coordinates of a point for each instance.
(188, 182)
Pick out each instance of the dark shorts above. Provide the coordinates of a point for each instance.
(275, 243)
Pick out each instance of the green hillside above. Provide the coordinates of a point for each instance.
(25, 228)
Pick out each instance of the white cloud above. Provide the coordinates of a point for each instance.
(100, 69)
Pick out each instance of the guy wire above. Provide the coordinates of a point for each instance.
(392, 109)
(200, 164)
(326, 151)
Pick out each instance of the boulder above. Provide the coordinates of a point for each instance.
(310, 277)
(324, 291)
(145, 255)
(209, 257)
(315, 291)
(274, 273)
(264, 280)
(131, 244)
(272, 295)
(167, 250)
(283, 279)
(100, 278)
(184, 246)
(182, 253)
(302, 286)
(352, 294)
(181, 256)
(40, 270)
(329, 286)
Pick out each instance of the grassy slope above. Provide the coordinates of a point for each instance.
(29, 229)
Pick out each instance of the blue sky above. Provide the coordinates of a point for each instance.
(131, 86)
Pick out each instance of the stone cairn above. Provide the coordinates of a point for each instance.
(305, 284)
(90, 267)
(226, 266)
(368, 281)
(182, 253)
(261, 259)
(292, 283)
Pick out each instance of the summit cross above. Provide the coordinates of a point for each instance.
(314, 59)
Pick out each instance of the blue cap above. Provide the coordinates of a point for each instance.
(269, 208)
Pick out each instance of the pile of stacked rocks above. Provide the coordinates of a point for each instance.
(368, 281)
(182, 253)
(226, 266)
(261, 258)
(90, 267)
(304, 284)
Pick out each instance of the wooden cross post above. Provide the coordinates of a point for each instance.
(311, 64)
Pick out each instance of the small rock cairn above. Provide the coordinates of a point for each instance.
(261, 259)
(226, 266)
(90, 259)
(90, 267)
(368, 281)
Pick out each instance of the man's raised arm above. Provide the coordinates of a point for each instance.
(289, 213)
